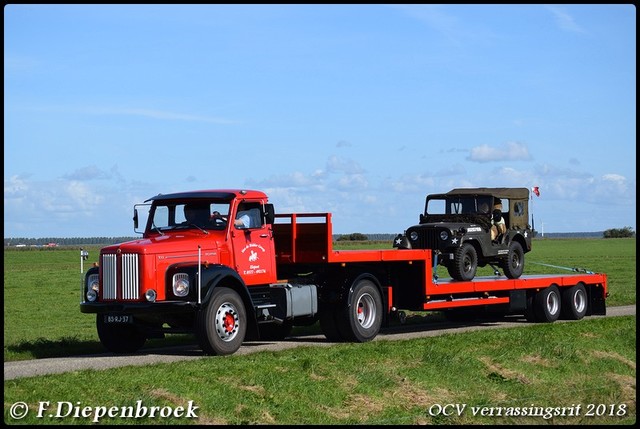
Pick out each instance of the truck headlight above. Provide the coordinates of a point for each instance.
(93, 287)
(444, 235)
(413, 236)
(180, 285)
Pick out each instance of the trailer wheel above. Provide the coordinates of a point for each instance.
(465, 263)
(361, 319)
(547, 304)
(574, 302)
(119, 338)
(222, 324)
(514, 265)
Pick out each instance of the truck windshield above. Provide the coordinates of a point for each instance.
(198, 214)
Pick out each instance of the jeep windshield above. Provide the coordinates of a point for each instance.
(458, 205)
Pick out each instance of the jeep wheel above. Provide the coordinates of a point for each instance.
(465, 263)
(514, 265)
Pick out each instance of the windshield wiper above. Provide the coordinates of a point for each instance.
(201, 229)
(153, 226)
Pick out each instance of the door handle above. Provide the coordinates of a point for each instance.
(264, 235)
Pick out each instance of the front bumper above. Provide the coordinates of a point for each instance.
(163, 307)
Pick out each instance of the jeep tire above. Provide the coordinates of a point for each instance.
(513, 266)
(465, 263)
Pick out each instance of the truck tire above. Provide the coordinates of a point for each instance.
(465, 263)
(547, 304)
(222, 324)
(514, 264)
(361, 319)
(116, 338)
(574, 302)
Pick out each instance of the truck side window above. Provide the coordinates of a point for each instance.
(248, 216)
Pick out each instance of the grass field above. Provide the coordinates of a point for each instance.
(562, 373)
(42, 290)
(578, 373)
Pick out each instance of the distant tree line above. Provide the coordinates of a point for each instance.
(356, 236)
(625, 232)
(68, 241)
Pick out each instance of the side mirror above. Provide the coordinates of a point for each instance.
(135, 218)
(269, 214)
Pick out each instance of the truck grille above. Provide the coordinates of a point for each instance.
(123, 277)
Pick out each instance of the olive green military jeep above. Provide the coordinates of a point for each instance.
(457, 227)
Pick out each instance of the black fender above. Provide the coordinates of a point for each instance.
(90, 271)
(526, 245)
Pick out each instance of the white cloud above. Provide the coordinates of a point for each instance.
(90, 172)
(15, 186)
(510, 151)
(336, 164)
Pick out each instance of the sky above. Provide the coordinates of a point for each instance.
(357, 110)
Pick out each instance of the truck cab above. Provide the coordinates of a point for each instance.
(231, 228)
(457, 226)
(206, 259)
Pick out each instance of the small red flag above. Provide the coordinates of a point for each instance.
(536, 191)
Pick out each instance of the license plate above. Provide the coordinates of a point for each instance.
(118, 318)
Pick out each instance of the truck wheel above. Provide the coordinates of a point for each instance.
(574, 302)
(124, 338)
(465, 263)
(360, 321)
(222, 324)
(547, 304)
(514, 265)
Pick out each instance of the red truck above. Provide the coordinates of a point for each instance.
(221, 264)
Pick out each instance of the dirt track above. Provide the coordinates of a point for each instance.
(37, 367)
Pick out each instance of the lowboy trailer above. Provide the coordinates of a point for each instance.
(227, 281)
